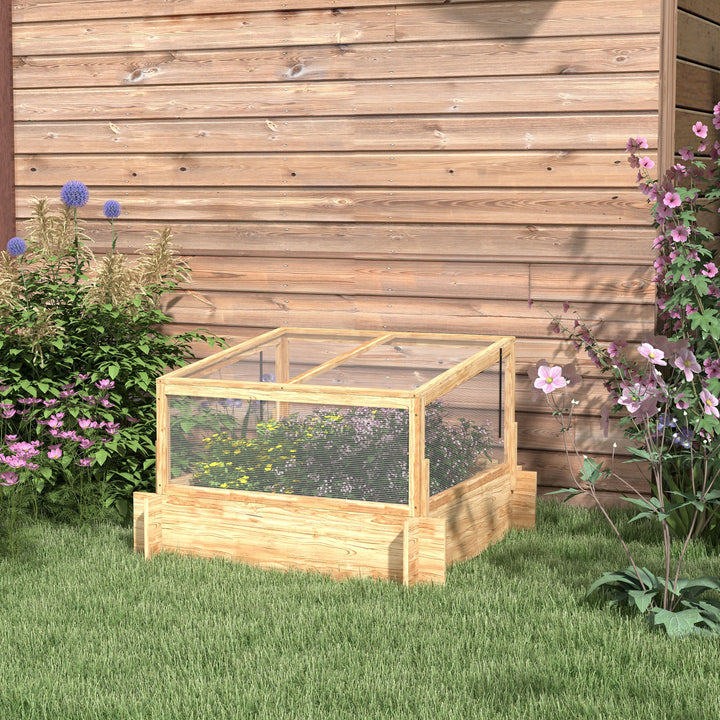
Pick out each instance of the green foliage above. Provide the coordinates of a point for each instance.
(64, 316)
(689, 612)
(358, 453)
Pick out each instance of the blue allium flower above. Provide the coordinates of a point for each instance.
(74, 194)
(16, 246)
(111, 209)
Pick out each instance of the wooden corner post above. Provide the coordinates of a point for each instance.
(162, 443)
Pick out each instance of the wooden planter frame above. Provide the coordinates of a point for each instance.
(411, 542)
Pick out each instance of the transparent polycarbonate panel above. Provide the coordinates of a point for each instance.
(396, 365)
(355, 453)
(464, 430)
(257, 366)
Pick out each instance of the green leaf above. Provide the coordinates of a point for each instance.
(101, 456)
(678, 623)
(113, 371)
(642, 599)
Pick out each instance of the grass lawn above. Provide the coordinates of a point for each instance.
(91, 630)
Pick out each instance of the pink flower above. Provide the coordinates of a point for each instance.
(709, 403)
(550, 378)
(700, 130)
(633, 397)
(672, 199)
(84, 462)
(687, 362)
(716, 109)
(716, 122)
(654, 355)
(710, 270)
(712, 368)
(8, 478)
(686, 153)
(613, 349)
(647, 163)
(638, 143)
(54, 453)
(105, 385)
(680, 233)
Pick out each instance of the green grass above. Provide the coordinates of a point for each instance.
(90, 630)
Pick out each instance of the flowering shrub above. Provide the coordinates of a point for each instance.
(64, 316)
(665, 391)
(358, 453)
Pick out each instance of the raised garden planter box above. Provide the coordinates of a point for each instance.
(347, 452)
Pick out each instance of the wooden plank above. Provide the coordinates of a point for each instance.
(475, 518)
(698, 88)
(611, 244)
(139, 520)
(46, 10)
(152, 523)
(583, 93)
(288, 503)
(268, 310)
(698, 40)
(319, 395)
(278, 134)
(526, 18)
(523, 501)
(667, 93)
(424, 551)
(684, 120)
(409, 169)
(397, 278)
(419, 481)
(592, 206)
(162, 445)
(221, 30)
(343, 544)
(513, 56)
(707, 9)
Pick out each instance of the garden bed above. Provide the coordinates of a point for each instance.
(350, 453)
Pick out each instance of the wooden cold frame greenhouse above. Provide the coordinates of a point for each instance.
(408, 166)
(347, 452)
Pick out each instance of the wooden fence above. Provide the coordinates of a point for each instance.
(420, 165)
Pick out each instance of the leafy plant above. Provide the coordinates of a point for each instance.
(666, 393)
(359, 453)
(66, 315)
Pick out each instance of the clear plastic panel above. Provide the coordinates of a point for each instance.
(358, 453)
(257, 366)
(464, 430)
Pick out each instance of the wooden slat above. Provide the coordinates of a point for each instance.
(276, 134)
(489, 243)
(526, 56)
(594, 283)
(708, 9)
(53, 10)
(525, 18)
(584, 93)
(441, 169)
(262, 311)
(336, 542)
(523, 501)
(698, 40)
(424, 551)
(599, 207)
(698, 88)
(222, 30)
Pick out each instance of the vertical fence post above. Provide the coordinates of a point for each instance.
(162, 445)
(7, 135)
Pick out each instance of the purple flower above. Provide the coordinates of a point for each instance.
(105, 385)
(16, 246)
(74, 194)
(111, 209)
(54, 453)
(84, 462)
(633, 397)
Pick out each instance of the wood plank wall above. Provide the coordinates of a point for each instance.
(698, 66)
(422, 165)
(7, 142)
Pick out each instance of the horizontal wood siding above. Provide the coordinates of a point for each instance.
(416, 165)
(698, 65)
